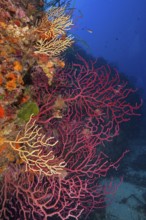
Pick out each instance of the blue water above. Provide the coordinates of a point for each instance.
(117, 33)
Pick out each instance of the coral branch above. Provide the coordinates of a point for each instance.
(52, 36)
(53, 47)
(35, 149)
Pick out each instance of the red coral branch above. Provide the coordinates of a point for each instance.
(82, 109)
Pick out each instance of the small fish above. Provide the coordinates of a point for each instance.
(90, 31)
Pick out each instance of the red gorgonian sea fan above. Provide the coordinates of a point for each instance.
(82, 109)
(95, 97)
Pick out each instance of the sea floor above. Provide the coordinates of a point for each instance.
(130, 199)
